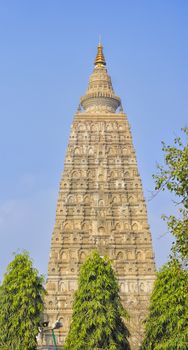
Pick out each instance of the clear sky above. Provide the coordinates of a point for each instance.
(47, 50)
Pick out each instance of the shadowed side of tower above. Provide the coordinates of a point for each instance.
(100, 205)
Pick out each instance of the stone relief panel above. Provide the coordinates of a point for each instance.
(101, 205)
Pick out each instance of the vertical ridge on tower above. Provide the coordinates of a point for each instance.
(100, 205)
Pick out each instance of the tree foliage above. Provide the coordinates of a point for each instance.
(97, 311)
(167, 323)
(21, 304)
(173, 176)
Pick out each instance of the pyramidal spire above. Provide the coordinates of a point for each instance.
(100, 60)
(100, 96)
(100, 206)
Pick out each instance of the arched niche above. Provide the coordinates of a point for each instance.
(113, 174)
(112, 151)
(86, 199)
(131, 199)
(81, 127)
(140, 255)
(54, 255)
(115, 200)
(75, 174)
(64, 256)
(93, 128)
(142, 287)
(118, 226)
(101, 176)
(51, 286)
(67, 226)
(63, 286)
(125, 151)
(127, 174)
(124, 199)
(148, 254)
(101, 202)
(101, 230)
(119, 256)
(50, 304)
(85, 226)
(129, 255)
(72, 286)
(135, 227)
(71, 199)
(90, 151)
(109, 127)
(90, 174)
(77, 151)
(122, 287)
(82, 256)
(126, 226)
(79, 198)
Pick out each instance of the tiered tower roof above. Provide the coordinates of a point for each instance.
(100, 96)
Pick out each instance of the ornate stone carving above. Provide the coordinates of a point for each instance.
(100, 205)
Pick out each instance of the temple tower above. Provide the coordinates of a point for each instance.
(100, 205)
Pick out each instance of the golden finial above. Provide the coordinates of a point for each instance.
(100, 60)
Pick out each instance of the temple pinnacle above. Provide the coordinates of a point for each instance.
(100, 60)
(100, 96)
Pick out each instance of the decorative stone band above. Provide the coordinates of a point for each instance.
(100, 102)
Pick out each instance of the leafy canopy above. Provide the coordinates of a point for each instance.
(97, 311)
(167, 323)
(173, 176)
(21, 305)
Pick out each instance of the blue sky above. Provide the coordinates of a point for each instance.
(47, 53)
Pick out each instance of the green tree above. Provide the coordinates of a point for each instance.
(173, 176)
(97, 321)
(21, 305)
(167, 323)
(166, 327)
